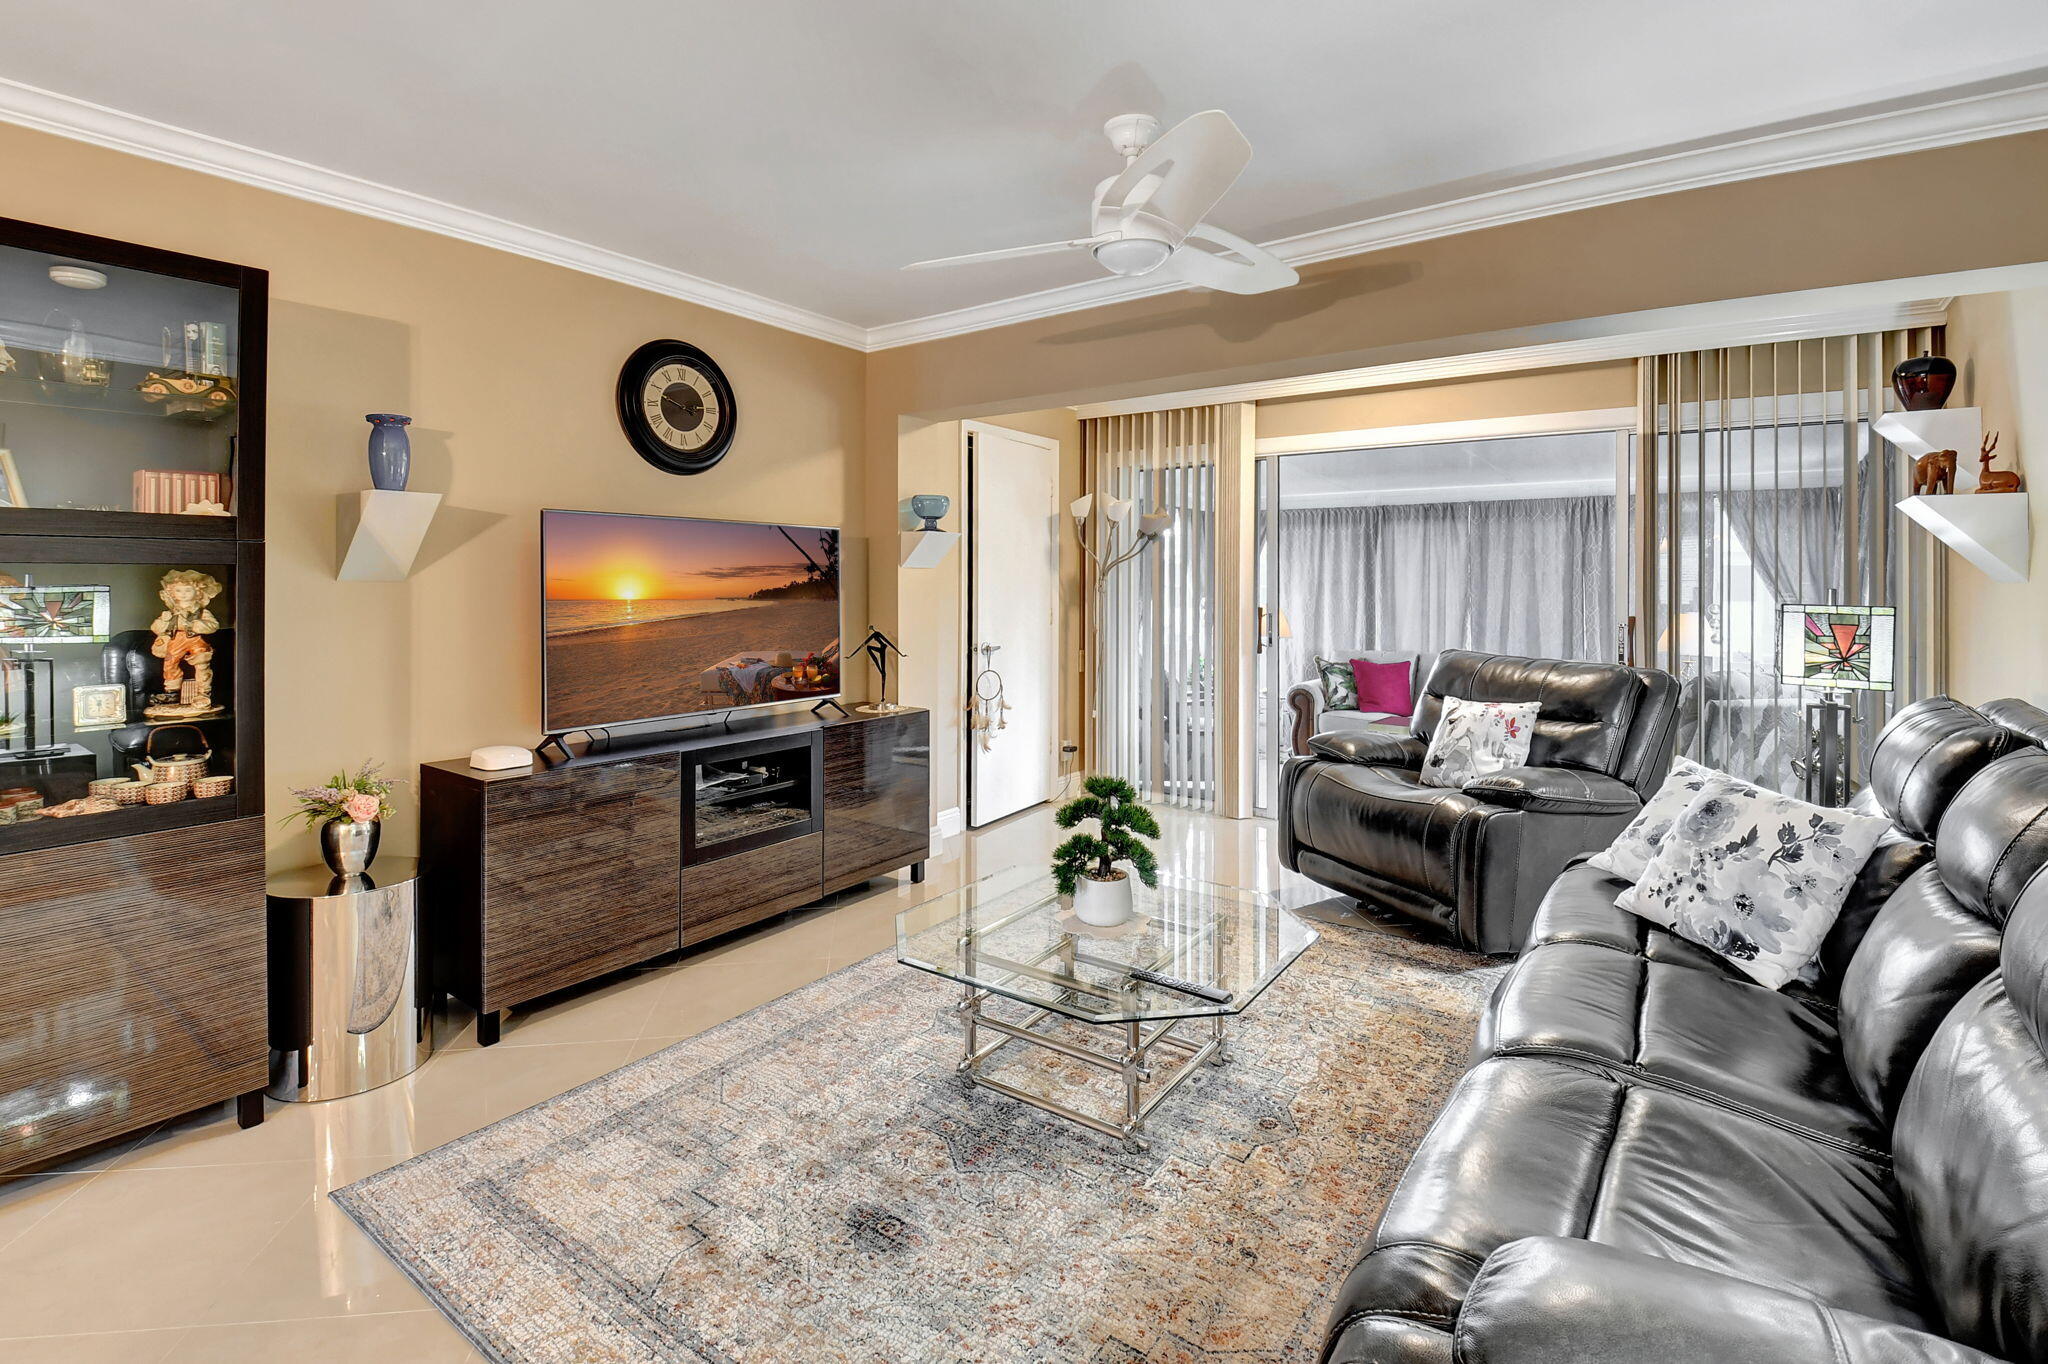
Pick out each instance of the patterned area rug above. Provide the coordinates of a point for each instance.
(811, 1181)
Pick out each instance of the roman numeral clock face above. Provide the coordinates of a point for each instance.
(676, 406)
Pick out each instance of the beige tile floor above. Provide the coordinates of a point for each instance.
(200, 1241)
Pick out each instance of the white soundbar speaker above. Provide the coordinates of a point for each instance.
(498, 757)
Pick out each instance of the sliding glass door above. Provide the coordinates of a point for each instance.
(1157, 691)
(1510, 544)
(1768, 486)
(1268, 688)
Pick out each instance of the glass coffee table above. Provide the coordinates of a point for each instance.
(1193, 955)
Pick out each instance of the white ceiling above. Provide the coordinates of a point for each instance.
(789, 157)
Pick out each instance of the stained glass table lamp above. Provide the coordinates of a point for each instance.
(1832, 648)
(31, 616)
(1836, 648)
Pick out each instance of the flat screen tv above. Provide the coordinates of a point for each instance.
(653, 617)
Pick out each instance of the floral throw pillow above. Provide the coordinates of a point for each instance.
(1340, 687)
(1634, 847)
(1756, 876)
(1474, 738)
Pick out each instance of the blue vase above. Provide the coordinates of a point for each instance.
(390, 451)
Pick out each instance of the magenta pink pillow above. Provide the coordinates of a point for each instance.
(1384, 686)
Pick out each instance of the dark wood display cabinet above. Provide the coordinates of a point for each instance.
(131, 477)
(539, 878)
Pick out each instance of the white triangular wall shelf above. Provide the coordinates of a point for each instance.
(1960, 429)
(927, 548)
(1988, 529)
(381, 533)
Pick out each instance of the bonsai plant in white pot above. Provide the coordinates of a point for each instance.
(1085, 866)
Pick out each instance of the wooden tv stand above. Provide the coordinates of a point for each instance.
(538, 878)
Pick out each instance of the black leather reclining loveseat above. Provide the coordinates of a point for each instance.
(1355, 816)
(1653, 1158)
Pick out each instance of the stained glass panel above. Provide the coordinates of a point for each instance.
(54, 615)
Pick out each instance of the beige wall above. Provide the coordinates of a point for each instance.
(507, 367)
(1730, 241)
(1998, 632)
(1812, 229)
(930, 603)
(1568, 388)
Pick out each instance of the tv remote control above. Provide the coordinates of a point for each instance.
(1186, 987)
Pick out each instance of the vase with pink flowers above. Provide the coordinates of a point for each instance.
(349, 812)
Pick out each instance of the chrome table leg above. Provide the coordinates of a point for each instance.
(1127, 1061)
(969, 1010)
(1135, 1073)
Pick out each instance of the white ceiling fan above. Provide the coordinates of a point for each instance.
(1149, 219)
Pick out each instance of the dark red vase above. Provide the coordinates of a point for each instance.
(1924, 382)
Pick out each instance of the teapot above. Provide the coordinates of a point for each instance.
(177, 767)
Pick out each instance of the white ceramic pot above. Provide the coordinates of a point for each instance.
(1104, 904)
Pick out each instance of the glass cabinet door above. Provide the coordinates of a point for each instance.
(121, 389)
(743, 798)
(119, 695)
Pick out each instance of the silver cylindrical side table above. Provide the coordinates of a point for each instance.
(348, 1007)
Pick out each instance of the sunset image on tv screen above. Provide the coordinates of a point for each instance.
(651, 616)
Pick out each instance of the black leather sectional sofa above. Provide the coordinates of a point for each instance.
(1653, 1158)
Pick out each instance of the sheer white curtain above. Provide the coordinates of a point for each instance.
(1154, 636)
(1761, 480)
(1742, 553)
(1523, 576)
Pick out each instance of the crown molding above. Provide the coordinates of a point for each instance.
(50, 112)
(1940, 123)
(1943, 122)
(2017, 108)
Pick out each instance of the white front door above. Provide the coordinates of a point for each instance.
(1013, 622)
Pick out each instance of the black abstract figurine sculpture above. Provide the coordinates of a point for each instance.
(878, 646)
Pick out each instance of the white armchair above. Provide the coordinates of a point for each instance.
(1310, 716)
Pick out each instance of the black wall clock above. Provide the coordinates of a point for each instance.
(677, 407)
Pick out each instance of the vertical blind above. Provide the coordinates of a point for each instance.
(1760, 480)
(1154, 626)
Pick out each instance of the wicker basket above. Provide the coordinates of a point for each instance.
(164, 792)
(206, 788)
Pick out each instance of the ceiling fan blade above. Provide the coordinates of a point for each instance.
(1007, 253)
(1240, 268)
(1184, 174)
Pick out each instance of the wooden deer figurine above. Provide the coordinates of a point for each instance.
(1934, 473)
(1998, 480)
